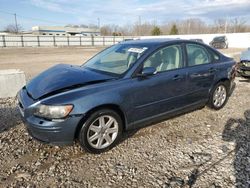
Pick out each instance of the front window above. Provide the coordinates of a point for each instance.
(116, 59)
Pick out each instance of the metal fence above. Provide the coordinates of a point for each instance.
(235, 40)
(40, 40)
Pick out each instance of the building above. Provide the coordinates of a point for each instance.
(65, 31)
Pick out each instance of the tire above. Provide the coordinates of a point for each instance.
(101, 131)
(218, 96)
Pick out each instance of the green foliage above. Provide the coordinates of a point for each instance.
(156, 31)
(174, 30)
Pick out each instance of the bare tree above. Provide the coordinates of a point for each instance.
(187, 26)
(238, 25)
(220, 26)
(142, 29)
(106, 30)
(13, 28)
(192, 26)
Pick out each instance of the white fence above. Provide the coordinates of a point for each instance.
(37, 41)
(235, 40)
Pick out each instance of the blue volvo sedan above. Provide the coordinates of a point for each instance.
(125, 86)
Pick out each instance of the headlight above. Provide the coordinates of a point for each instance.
(247, 64)
(52, 112)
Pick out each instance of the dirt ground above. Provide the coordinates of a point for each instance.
(203, 148)
(34, 60)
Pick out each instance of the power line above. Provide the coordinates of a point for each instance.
(38, 19)
(30, 18)
(5, 12)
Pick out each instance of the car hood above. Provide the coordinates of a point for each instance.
(245, 56)
(62, 77)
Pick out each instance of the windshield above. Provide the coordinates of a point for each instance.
(219, 38)
(117, 59)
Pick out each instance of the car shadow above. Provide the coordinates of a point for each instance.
(238, 131)
(9, 116)
(131, 132)
(235, 130)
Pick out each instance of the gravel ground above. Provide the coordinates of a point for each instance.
(203, 148)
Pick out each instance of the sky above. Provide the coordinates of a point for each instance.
(119, 12)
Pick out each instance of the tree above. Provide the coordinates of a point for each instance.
(174, 30)
(13, 28)
(156, 31)
(238, 25)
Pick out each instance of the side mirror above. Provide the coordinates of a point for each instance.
(147, 71)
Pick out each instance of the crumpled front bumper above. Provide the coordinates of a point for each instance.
(56, 132)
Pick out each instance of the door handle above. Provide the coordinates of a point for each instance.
(196, 75)
(177, 77)
(212, 70)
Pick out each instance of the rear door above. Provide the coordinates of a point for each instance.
(201, 72)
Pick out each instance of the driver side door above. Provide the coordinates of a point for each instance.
(162, 92)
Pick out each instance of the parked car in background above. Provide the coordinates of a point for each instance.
(126, 86)
(219, 42)
(243, 68)
(197, 40)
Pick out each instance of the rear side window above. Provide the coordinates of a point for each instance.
(197, 55)
(214, 55)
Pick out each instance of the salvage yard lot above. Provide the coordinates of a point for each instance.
(204, 148)
(34, 60)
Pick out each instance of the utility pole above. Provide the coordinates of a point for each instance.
(189, 25)
(139, 31)
(225, 31)
(98, 22)
(16, 23)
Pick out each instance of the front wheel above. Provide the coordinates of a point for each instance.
(101, 131)
(218, 96)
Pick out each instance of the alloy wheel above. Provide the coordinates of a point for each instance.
(102, 132)
(220, 95)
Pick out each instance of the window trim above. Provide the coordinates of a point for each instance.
(212, 60)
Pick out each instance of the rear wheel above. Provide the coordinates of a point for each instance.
(101, 131)
(218, 97)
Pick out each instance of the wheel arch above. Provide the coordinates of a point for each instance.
(226, 81)
(114, 107)
(223, 80)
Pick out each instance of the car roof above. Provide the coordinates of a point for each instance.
(156, 41)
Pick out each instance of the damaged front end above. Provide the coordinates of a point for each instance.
(243, 67)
